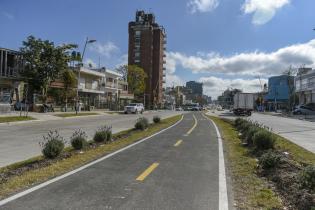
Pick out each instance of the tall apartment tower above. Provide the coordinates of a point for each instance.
(147, 40)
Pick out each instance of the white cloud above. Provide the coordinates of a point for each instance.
(202, 5)
(170, 64)
(123, 60)
(253, 63)
(8, 15)
(214, 86)
(173, 80)
(107, 49)
(263, 10)
(89, 61)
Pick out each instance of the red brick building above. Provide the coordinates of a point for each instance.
(147, 41)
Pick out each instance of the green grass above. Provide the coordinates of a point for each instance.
(76, 115)
(15, 119)
(35, 176)
(298, 153)
(250, 191)
(114, 113)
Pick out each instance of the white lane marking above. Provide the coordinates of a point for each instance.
(223, 195)
(44, 184)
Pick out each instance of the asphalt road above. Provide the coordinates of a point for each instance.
(301, 132)
(160, 173)
(19, 142)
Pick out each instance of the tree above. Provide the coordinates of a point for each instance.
(44, 62)
(123, 69)
(75, 57)
(290, 73)
(136, 80)
(70, 81)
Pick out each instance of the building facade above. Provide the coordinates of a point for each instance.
(11, 85)
(305, 85)
(226, 100)
(196, 87)
(103, 89)
(90, 88)
(279, 91)
(116, 90)
(147, 40)
(196, 90)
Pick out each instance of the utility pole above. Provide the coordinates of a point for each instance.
(87, 41)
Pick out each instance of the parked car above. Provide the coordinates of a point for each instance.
(20, 105)
(307, 109)
(219, 108)
(187, 108)
(5, 103)
(179, 109)
(134, 108)
(195, 108)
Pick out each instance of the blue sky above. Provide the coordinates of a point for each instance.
(223, 43)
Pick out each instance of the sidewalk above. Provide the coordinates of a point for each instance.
(48, 116)
(310, 118)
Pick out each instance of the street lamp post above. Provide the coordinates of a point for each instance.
(276, 94)
(87, 41)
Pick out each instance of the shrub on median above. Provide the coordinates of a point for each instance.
(238, 121)
(53, 145)
(103, 134)
(142, 123)
(242, 125)
(307, 177)
(263, 140)
(250, 134)
(269, 160)
(78, 140)
(156, 119)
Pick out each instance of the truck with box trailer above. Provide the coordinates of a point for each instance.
(243, 103)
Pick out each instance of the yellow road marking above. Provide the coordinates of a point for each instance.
(195, 124)
(178, 143)
(147, 172)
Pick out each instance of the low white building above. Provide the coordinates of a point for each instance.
(103, 88)
(116, 90)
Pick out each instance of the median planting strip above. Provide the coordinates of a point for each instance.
(75, 115)
(257, 154)
(249, 190)
(15, 119)
(20, 176)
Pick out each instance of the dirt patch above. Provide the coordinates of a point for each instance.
(286, 179)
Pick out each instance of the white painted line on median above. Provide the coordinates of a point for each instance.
(223, 195)
(44, 184)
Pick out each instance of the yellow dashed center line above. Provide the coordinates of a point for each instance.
(147, 172)
(195, 124)
(178, 143)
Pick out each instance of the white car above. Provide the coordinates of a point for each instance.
(134, 108)
(179, 109)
